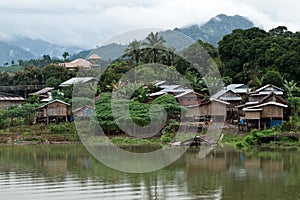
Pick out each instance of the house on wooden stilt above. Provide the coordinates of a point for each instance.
(54, 111)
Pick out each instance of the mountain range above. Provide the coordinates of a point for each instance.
(24, 48)
(179, 38)
(212, 31)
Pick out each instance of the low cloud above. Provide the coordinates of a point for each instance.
(91, 22)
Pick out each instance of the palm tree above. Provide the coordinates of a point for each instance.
(154, 43)
(133, 50)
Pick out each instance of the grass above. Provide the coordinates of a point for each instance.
(13, 68)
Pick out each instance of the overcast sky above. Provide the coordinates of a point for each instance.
(88, 23)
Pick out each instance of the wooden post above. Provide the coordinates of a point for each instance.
(258, 124)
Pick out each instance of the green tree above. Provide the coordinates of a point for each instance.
(291, 88)
(134, 50)
(154, 42)
(65, 55)
(272, 77)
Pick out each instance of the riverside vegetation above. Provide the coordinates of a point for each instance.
(253, 56)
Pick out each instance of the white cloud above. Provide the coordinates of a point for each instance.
(89, 23)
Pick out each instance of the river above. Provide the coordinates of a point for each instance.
(69, 172)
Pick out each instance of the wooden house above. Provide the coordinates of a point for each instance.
(185, 97)
(214, 109)
(266, 107)
(233, 100)
(262, 92)
(83, 112)
(189, 98)
(267, 114)
(78, 63)
(268, 98)
(54, 111)
(9, 100)
(95, 60)
(240, 89)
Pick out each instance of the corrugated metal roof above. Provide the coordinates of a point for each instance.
(42, 91)
(187, 91)
(76, 80)
(56, 100)
(241, 91)
(234, 86)
(252, 110)
(157, 93)
(220, 101)
(269, 103)
(168, 88)
(269, 85)
(231, 98)
(219, 93)
(10, 97)
(160, 83)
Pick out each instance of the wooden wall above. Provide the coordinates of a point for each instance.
(57, 109)
(213, 108)
(5, 104)
(252, 115)
(272, 111)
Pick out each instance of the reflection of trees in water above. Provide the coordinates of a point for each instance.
(231, 174)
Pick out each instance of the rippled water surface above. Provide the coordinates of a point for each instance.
(70, 172)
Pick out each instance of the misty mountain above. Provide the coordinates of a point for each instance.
(40, 47)
(217, 27)
(211, 32)
(9, 53)
(26, 48)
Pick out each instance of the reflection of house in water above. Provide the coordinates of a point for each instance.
(233, 161)
(51, 163)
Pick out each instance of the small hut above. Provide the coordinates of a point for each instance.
(9, 100)
(54, 111)
(215, 109)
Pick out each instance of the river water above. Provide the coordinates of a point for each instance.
(70, 172)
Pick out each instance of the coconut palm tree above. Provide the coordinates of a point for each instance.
(134, 50)
(154, 42)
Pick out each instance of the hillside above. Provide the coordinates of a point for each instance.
(9, 53)
(211, 32)
(217, 27)
(26, 48)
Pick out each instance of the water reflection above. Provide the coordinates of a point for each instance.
(70, 172)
